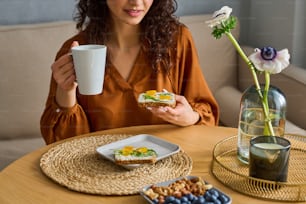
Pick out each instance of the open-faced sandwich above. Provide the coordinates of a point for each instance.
(133, 155)
(152, 98)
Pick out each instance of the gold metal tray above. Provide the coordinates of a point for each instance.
(231, 172)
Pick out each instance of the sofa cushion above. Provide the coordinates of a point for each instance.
(218, 58)
(10, 150)
(291, 128)
(228, 98)
(26, 55)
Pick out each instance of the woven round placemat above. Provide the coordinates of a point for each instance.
(76, 165)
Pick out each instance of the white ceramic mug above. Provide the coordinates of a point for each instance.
(89, 65)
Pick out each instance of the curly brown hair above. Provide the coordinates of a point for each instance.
(159, 27)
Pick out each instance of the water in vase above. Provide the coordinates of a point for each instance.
(246, 132)
(243, 147)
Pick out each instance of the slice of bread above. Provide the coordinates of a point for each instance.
(133, 155)
(153, 98)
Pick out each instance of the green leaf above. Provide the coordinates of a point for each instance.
(217, 33)
(231, 23)
(225, 27)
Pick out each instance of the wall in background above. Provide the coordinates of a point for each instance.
(299, 33)
(35, 11)
(279, 23)
(240, 9)
(187, 7)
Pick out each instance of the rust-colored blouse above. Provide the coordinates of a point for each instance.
(117, 105)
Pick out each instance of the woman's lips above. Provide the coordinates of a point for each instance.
(133, 13)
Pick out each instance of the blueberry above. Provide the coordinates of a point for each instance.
(176, 201)
(207, 193)
(184, 199)
(201, 198)
(214, 192)
(155, 201)
(223, 198)
(217, 202)
(169, 199)
(199, 201)
(190, 197)
(214, 198)
(194, 200)
(208, 196)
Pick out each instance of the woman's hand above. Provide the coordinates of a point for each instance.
(63, 71)
(182, 114)
(64, 74)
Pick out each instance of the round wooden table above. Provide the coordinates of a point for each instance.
(24, 182)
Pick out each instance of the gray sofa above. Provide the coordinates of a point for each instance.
(27, 51)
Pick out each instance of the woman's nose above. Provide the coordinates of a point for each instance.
(135, 2)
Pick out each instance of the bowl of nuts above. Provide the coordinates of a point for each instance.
(184, 190)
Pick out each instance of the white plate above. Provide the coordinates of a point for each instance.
(167, 183)
(162, 147)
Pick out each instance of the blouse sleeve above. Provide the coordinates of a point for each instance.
(58, 123)
(191, 81)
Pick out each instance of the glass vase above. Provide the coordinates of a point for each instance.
(252, 119)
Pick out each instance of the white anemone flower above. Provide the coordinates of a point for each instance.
(269, 60)
(219, 16)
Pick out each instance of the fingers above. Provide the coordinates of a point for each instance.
(75, 43)
(63, 71)
(182, 114)
(61, 62)
(65, 74)
(181, 99)
(166, 113)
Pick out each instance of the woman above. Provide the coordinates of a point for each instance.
(148, 49)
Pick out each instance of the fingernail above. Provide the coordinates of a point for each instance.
(165, 90)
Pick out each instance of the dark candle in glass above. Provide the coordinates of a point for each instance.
(269, 158)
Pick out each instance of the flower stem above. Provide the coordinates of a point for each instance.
(268, 130)
(248, 62)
